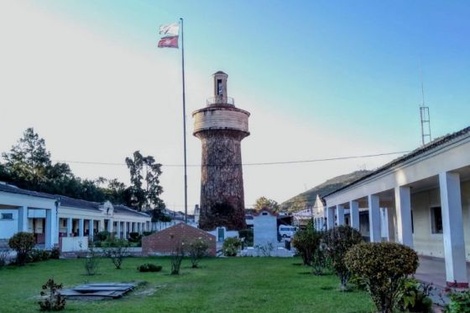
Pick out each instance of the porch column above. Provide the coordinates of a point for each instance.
(49, 230)
(354, 214)
(124, 231)
(330, 218)
(403, 210)
(91, 228)
(374, 218)
(81, 226)
(118, 231)
(23, 218)
(340, 214)
(452, 227)
(69, 227)
(110, 226)
(100, 225)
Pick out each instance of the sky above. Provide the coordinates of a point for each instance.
(332, 86)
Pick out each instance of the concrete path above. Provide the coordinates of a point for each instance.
(432, 270)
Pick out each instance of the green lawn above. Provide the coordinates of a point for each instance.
(219, 285)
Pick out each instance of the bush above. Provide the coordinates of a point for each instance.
(231, 246)
(338, 241)
(3, 257)
(459, 302)
(135, 237)
(116, 250)
(247, 234)
(382, 266)
(51, 300)
(38, 255)
(197, 249)
(149, 267)
(102, 235)
(307, 242)
(55, 253)
(22, 243)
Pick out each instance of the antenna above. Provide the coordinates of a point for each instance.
(425, 117)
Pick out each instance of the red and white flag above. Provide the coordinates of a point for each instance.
(168, 42)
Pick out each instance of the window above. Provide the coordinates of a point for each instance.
(436, 220)
(6, 216)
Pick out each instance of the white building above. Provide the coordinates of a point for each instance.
(52, 217)
(421, 199)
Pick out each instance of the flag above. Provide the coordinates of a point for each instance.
(169, 30)
(168, 42)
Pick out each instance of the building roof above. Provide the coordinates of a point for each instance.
(429, 147)
(68, 201)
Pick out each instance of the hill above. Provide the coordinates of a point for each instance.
(307, 198)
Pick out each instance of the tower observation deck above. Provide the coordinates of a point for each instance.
(221, 127)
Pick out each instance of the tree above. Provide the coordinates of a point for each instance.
(28, 160)
(145, 186)
(265, 203)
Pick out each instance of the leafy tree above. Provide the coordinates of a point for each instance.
(263, 202)
(338, 241)
(145, 186)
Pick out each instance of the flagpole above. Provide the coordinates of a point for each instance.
(184, 128)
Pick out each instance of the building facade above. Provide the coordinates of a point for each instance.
(421, 200)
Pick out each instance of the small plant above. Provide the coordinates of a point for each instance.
(265, 250)
(177, 258)
(149, 267)
(459, 302)
(51, 300)
(116, 250)
(231, 246)
(55, 253)
(414, 296)
(320, 261)
(197, 249)
(22, 243)
(91, 261)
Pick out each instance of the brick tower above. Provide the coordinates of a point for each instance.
(221, 127)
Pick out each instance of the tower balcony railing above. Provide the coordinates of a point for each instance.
(220, 100)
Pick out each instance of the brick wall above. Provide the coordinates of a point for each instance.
(165, 241)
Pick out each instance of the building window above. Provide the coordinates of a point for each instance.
(6, 216)
(436, 220)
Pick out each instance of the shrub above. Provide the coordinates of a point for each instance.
(22, 243)
(38, 255)
(116, 250)
(382, 266)
(459, 302)
(307, 241)
(197, 249)
(231, 246)
(102, 235)
(247, 234)
(135, 237)
(55, 253)
(51, 300)
(149, 267)
(338, 241)
(3, 257)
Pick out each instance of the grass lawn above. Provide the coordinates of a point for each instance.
(219, 285)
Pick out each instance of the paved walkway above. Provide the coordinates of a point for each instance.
(432, 270)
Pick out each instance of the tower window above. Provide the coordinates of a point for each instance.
(219, 87)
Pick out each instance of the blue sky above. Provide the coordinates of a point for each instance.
(322, 79)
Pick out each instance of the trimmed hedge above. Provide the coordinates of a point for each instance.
(382, 266)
